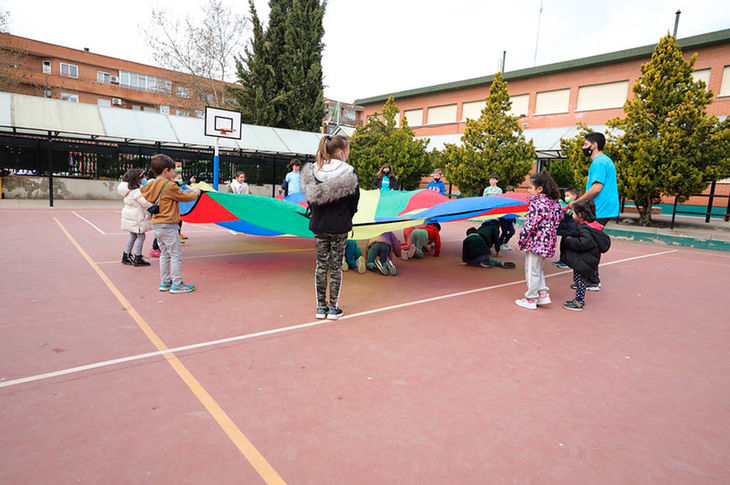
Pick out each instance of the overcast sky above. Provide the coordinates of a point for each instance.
(382, 46)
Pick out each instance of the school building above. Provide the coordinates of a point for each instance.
(551, 99)
(47, 70)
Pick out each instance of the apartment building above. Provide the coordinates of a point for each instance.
(591, 90)
(79, 76)
(341, 114)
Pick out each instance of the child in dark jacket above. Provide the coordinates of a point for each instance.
(567, 226)
(583, 251)
(332, 192)
(475, 252)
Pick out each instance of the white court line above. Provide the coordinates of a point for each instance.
(89, 223)
(210, 343)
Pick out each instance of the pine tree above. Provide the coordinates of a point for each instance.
(256, 99)
(303, 65)
(381, 141)
(493, 143)
(669, 144)
(276, 47)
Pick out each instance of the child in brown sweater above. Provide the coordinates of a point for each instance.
(168, 195)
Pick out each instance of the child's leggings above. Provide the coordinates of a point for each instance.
(135, 243)
(330, 250)
(580, 285)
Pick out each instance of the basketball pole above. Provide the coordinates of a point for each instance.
(216, 165)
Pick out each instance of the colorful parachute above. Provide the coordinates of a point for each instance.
(377, 211)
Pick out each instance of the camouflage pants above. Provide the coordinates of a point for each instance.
(330, 251)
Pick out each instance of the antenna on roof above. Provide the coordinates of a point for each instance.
(537, 34)
(676, 22)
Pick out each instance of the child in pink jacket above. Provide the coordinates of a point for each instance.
(538, 237)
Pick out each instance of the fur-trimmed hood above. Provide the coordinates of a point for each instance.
(333, 181)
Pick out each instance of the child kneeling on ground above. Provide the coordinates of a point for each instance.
(583, 251)
(378, 253)
(476, 252)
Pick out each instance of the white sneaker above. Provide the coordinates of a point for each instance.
(596, 287)
(543, 300)
(525, 303)
(361, 264)
(506, 247)
(345, 266)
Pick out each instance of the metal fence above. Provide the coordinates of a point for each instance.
(109, 161)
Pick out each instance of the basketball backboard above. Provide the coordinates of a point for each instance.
(222, 123)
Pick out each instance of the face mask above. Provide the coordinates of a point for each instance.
(144, 182)
(386, 172)
(436, 179)
(587, 151)
(178, 169)
(568, 198)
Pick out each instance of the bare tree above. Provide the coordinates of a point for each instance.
(203, 49)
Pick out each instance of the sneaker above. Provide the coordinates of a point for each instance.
(321, 312)
(335, 314)
(381, 267)
(182, 240)
(392, 270)
(527, 303)
(361, 264)
(155, 253)
(543, 300)
(409, 253)
(560, 264)
(509, 265)
(590, 287)
(138, 260)
(182, 288)
(345, 266)
(575, 305)
(183, 236)
(165, 285)
(506, 247)
(127, 259)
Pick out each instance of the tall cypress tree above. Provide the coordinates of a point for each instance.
(669, 143)
(492, 143)
(256, 98)
(303, 65)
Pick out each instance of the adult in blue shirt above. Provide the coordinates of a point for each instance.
(385, 180)
(602, 186)
(437, 184)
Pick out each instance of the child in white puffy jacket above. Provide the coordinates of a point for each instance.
(135, 217)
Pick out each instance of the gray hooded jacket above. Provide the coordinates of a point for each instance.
(332, 193)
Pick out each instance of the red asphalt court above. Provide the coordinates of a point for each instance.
(433, 377)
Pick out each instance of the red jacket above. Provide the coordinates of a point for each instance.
(434, 236)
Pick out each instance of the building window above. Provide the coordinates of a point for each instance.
(702, 75)
(414, 117)
(519, 105)
(143, 82)
(74, 98)
(103, 77)
(180, 112)
(442, 114)
(165, 110)
(551, 102)
(136, 108)
(182, 92)
(725, 86)
(46, 67)
(104, 102)
(602, 96)
(472, 109)
(199, 113)
(69, 70)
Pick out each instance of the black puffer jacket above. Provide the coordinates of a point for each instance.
(583, 249)
(332, 193)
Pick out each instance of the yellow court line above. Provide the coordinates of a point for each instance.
(249, 451)
(232, 254)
